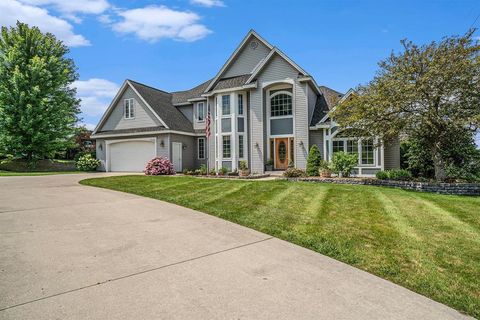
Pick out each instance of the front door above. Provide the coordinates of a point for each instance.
(177, 156)
(281, 153)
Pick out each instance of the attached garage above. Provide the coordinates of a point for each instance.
(130, 155)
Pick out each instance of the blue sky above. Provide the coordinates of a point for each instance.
(177, 44)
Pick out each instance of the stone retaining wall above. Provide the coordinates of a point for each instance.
(470, 189)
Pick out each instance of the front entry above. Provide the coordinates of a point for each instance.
(177, 156)
(281, 153)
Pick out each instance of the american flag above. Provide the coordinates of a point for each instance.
(207, 125)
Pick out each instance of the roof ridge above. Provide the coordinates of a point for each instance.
(146, 85)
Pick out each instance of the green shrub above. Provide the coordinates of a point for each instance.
(313, 161)
(397, 174)
(203, 169)
(294, 173)
(213, 172)
(87, 163)
(243, 165)
(223, 170)
(343, 163)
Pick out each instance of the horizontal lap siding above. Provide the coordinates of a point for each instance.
(246, 60)
(277, 70)
(392, 154)
(316, 137)
(188, 151)
(143, 116)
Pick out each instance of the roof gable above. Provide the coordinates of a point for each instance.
(226, 67)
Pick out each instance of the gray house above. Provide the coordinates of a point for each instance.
(262, 105)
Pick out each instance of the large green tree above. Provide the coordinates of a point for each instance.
(38, 108)
(424, 91)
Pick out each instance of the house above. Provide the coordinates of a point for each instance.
(263, 106)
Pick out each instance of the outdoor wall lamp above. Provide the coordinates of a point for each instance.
(256, 145)
(162, 143)
(301, 143)
(100, 147)
(184, 146)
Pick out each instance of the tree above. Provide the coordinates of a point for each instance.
(313, 161)
(425, 91)
(38, 109)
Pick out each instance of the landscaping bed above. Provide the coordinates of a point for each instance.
(429, 243)
(46, 165)
(470, 189)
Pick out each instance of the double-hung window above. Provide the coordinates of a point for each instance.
(225, 105)
(240, 146)
(129, 109)
(281, 105)
(367, 152)
(201, 148)
(200, 112)
(338, 145)
(227, 151)
(240, 104)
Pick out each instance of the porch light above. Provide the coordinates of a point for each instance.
(300, 143)
(184, 146)
(100, 147)
(256, 145)
(162, 143)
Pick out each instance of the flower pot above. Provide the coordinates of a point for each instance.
(325, 173)
(244, 173)
(268, 167)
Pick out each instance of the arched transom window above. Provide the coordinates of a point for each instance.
(281, 104)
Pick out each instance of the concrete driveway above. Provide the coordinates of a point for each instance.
(74, 252)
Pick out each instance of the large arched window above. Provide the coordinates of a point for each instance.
(281, 104)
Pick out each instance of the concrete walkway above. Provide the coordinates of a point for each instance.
(74, 252)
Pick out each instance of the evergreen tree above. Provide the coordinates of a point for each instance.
(313, 161)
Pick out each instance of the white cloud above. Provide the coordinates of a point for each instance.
(12, 10)
(105, 19)
(89, 126)
(71, 6)
(209, 3)
(156, 22)
(96, 95)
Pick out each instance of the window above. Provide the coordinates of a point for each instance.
(292, 151)
(129, 111)
(226, 147)
(226, 105)
(200, 111)
(240, 124)
(240, 146)
(367, 152)
(240, 104)
(352, 146)
(281, 105)
(337, 146)
(201, 148)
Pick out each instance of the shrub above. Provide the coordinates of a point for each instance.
(313, 161)
(243, 165)
(203, 169)
(343, 163)
(294, 173)
(398, 174)
(159, 166)
(213, 172)
(223, 171)
(87, 163)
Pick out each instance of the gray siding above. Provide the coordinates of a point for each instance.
(143, 116)
(392, 154)
(199, 162)
(211, 140)
(188, 153)
(163, 151)
(246, 60)
(312, 99)
(316, 137)
(101, 154)
(187, 111)
(278, 69)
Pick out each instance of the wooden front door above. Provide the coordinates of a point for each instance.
(281, 153)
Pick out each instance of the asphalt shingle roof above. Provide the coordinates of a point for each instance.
(232, 82)
(325, 102)
(133, 130)
(161, 103)
(183, 96)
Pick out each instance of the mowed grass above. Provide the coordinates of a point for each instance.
(4, 173)
(428, 243)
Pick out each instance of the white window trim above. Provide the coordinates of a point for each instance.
(204, 148)
(221, 149)
(359, 164)
(238, 105)
(131, 106)
(270, 96)
(229, 104)
(197, 108)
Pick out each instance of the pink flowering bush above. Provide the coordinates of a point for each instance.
(159, 166)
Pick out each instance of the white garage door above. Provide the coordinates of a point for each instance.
(131, 155)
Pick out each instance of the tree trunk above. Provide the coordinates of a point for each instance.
(438, 162)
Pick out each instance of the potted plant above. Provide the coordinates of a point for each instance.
(269, 165)
(324, 169)
(243, 168)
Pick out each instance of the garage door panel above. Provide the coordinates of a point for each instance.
(131, 155)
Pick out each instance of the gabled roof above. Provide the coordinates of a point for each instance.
(325, 102)
(182, 97)
(251, 33)
(161, 103)
(232, 82)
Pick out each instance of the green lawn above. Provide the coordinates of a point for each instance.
(35, 173)
(428, 243)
